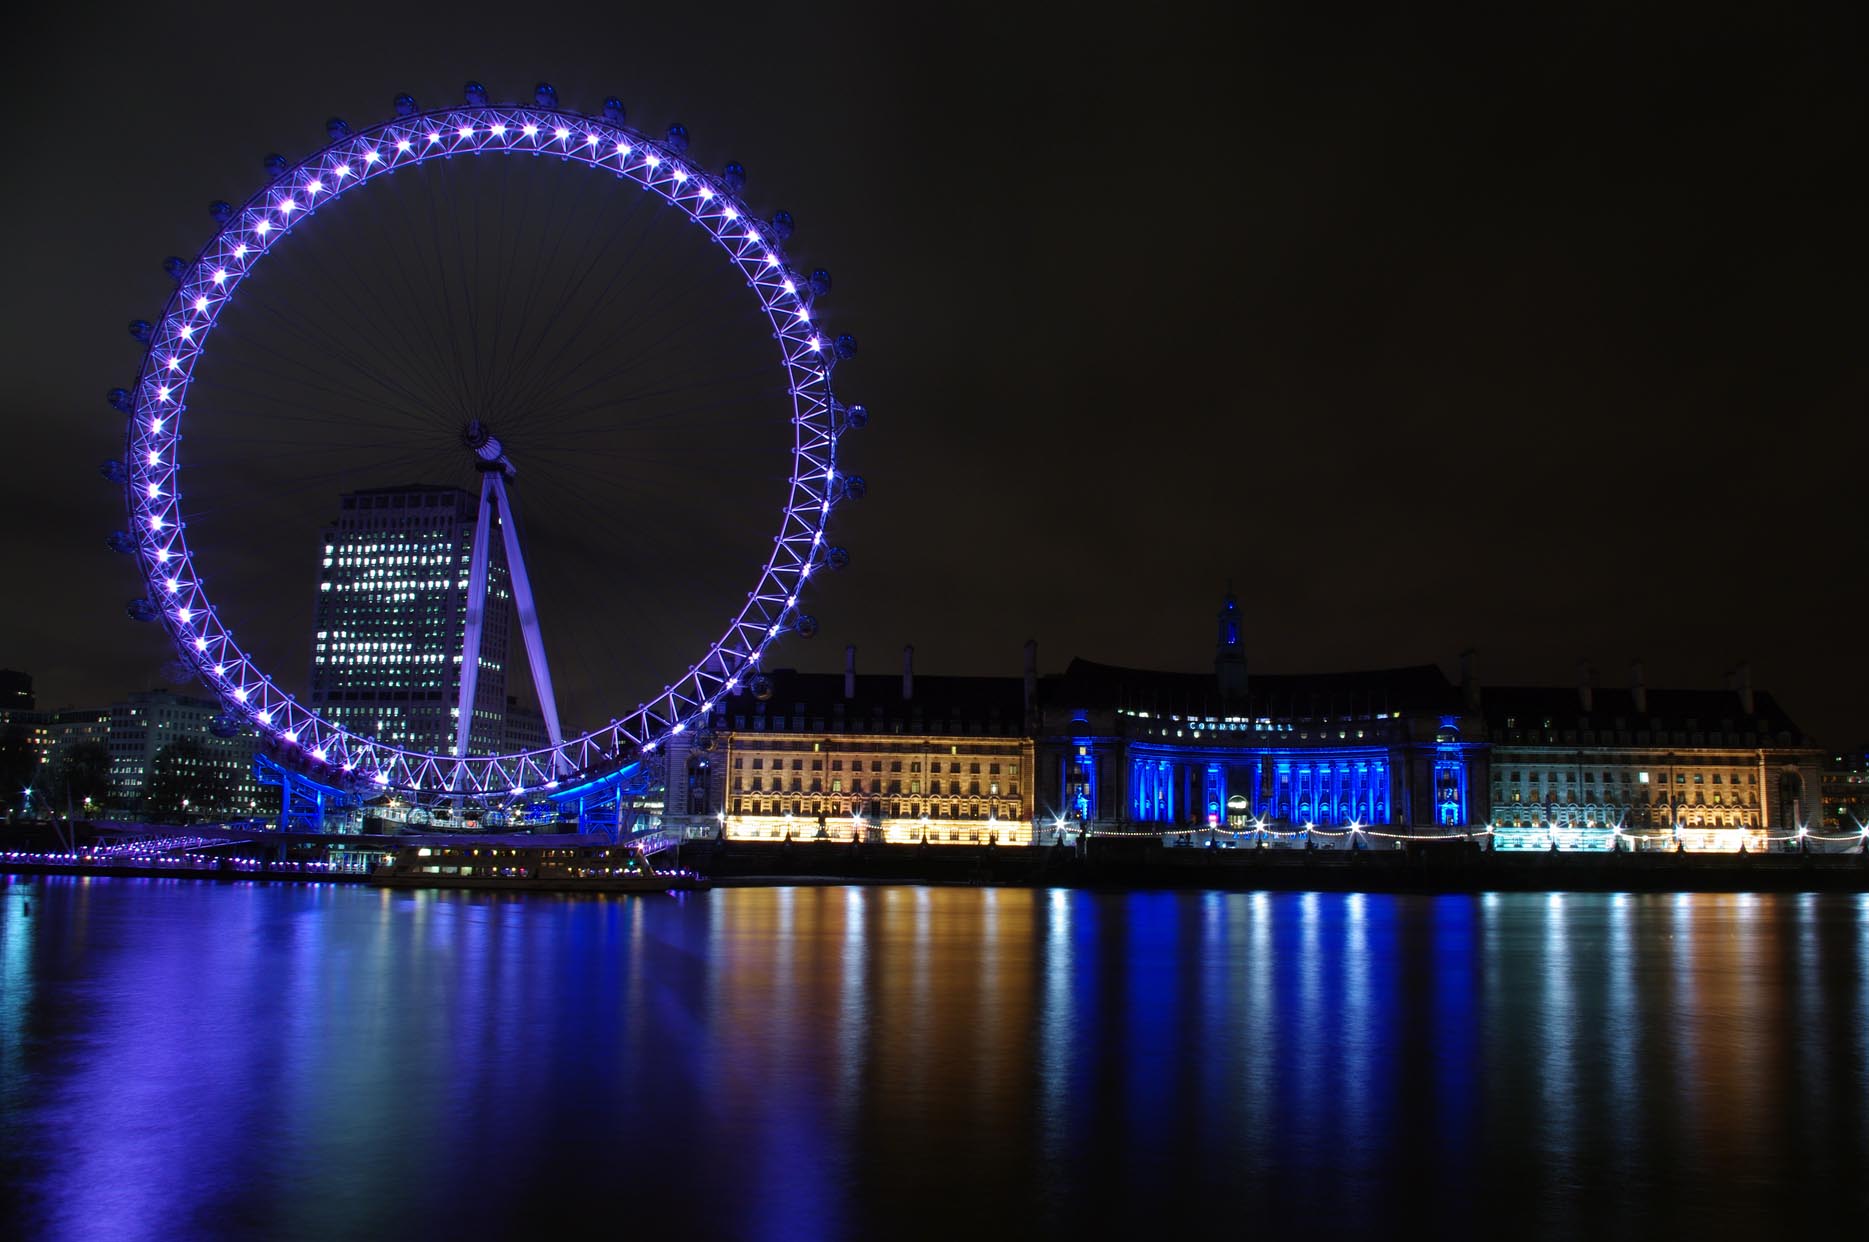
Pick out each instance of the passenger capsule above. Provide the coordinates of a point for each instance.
(856, 417)
(807, 626)
(176, 267)
(782, 224)
(761, 685)
(545, 95)
(119, 399)
(614, 111)
(221, 211)
(475, 94)
(846, 346)
(112, 471)
(224, 726)
(820, 282)
(141, 610)
(855, 487)
(677, 139)
(142, 330)
(837, 557)
(405, 104)
(276, 165)
(734, 176)
(337, 127)
(705, 740)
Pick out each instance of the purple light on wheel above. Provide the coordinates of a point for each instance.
(228, 258)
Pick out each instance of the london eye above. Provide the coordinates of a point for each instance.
(474, 364)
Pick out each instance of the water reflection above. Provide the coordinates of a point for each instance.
(188, 1060)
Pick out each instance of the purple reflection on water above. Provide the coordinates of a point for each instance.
(187, 1059)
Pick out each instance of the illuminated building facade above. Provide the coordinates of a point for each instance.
(1386, 753)
(22, 722)
(392, 611)
(947, 760)
(1708, 769)
(1846, 790)
(71, 726)
(51, 734)
(144, 724)
(1124, 748)
(525, 726)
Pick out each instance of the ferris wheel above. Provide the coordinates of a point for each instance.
(208, 297)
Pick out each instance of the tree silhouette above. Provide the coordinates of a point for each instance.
(19, 762)
(184, 781)
(82, 771)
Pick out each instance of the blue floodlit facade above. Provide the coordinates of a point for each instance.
(1122, 747)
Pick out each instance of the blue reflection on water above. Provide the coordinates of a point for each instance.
(198, 1060)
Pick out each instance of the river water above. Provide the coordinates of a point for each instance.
(183, 1059)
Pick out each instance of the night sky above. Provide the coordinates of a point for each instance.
(1537, 334)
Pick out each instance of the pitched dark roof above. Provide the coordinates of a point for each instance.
(1414, 688)
(989, 704)
(1667, 710)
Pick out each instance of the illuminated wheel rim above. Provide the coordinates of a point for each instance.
(158, 403)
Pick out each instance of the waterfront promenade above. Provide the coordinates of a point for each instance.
(1426, 866)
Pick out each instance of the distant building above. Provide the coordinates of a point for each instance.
(525, 727)
(51, 734)
(72, 725)
(392, 612)
(144, 724)
(1846, 790)
(22, 724)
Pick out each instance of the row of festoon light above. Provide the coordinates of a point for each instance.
(1614, 832)
(195, 862)
(146, 846)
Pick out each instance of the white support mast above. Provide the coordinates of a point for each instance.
(495, 470)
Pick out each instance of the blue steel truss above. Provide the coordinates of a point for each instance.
(304, 803)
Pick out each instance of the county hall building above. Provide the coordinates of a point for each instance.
(1386, 753)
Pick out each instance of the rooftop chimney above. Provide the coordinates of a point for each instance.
(1469, 680)
(850, 670)
(1638, 686)
(908, 671)
(1031, 677)
(1586, 686)
(1745, 688)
